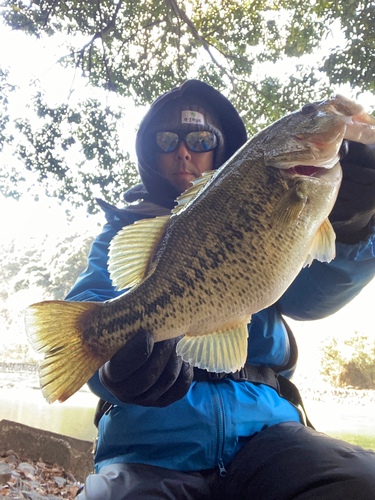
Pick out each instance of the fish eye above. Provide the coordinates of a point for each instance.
(308, 109)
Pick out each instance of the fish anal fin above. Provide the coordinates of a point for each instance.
(289, 207)
(192, 192)
(221, 351)
(323, 246)
(54, 328)
(131, 249)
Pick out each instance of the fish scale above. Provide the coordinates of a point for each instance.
(194, 248)
(231, 248)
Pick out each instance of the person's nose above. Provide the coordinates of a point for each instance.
(182, 152)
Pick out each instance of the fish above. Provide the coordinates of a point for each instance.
(231, 247)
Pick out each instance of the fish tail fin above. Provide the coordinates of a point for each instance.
(56, 328)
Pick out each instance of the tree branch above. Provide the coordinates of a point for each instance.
(133, 35)
(206, 45)
(183, 16)
(49, 11)
(109, 26)
(103, 31)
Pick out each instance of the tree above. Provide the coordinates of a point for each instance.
(140, 49)
(38, 270)
(349, 362)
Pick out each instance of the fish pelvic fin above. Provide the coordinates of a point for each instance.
(192, 192)
(323, 247)
(221, 351)
(55, 329)
(289, 207)
(131, 250)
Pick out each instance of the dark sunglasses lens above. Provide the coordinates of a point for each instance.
(167, 141)
(201, 141)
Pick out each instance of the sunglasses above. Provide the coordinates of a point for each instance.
(198, 142)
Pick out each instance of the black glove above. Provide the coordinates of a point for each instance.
(147, 374)
(355, 205)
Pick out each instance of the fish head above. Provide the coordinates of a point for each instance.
(311, 138)
(303, 149)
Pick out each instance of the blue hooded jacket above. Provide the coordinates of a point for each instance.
(212, 422)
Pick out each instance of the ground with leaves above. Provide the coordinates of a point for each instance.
(21, 478)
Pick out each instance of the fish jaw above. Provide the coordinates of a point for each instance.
(319, 130)
(331, 175)
(342, 113)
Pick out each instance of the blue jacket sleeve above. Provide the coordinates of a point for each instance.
(94, 284)
(97, 388)
(322, 289)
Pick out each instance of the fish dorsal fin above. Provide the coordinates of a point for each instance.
(192, 192)
(289, 207)
(221, 351)
(131, 249)
(323, 246)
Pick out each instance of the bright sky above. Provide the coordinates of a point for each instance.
(26, 57)
(31, 59)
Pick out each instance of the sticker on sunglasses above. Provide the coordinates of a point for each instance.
(192, 117)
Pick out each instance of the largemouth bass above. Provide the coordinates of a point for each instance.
(234, 244)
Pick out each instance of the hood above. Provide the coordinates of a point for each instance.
(222, 115)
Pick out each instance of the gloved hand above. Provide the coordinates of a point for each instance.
(355, 205)
(147, 374)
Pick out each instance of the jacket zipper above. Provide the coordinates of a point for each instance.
(220, 425)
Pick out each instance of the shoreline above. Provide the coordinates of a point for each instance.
(25, 375)
(18, 367)
(343, 413)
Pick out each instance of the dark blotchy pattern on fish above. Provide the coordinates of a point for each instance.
(220, 260)
(230, 252)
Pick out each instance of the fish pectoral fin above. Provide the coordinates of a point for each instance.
(289, 207)
(130, 251)
(192, 192)
(323, 246)
(55, 328)
(222, 351)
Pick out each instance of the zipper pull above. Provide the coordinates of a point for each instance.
(108, 409)
(222, 469)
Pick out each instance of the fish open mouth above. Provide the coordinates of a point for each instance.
(306, 170)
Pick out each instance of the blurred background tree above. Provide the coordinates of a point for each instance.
(139, 49)
(42, 269)
(349, 362)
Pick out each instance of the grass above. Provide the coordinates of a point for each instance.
(367, 442)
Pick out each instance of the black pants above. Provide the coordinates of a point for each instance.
(284, 462)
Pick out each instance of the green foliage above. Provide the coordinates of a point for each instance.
(88, 131)
(355, 63)
(140, 48)
(350, 363)
(143, 48)
(5, 89)
(54, 271)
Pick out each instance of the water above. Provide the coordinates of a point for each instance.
(22, 401)
(350, 420)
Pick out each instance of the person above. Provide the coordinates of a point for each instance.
(166, 430)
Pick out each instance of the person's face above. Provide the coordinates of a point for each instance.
(182, 166)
